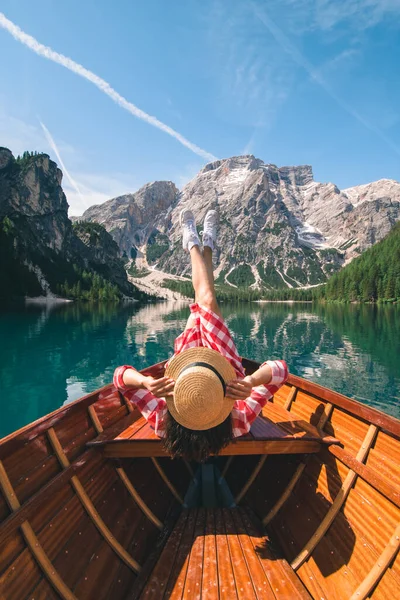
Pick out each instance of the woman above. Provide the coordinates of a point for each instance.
(204, 400)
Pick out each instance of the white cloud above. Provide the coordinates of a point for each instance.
(96, 189)
(100, 83)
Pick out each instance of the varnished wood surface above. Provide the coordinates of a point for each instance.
(146, 448)
(265, 436)
(215, 553)
(357, 552)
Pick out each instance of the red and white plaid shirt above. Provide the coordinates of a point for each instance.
(209, 331)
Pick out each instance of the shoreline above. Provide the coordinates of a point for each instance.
(46, 300)
(283, 301)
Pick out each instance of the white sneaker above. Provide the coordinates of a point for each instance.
(190, 236)
(210, 229)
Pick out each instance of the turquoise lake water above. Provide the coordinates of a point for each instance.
(49, 356)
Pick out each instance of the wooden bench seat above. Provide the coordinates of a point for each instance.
(265, 437)
(219, 553)
(276, 431)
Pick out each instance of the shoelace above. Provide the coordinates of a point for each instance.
(191, 227)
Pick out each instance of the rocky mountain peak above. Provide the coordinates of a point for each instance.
(39, 247)
(6, 157)
(278, 226)
(131, 218)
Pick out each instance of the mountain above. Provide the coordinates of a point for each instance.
(42, 253)
(278, 227)
(131, 218)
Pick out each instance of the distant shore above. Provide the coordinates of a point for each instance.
(284, 301)
(46, 300)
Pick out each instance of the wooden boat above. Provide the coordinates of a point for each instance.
(305, 506)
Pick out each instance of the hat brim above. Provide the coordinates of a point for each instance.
(224, 368)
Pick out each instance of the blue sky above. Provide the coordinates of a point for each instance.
(290, 81)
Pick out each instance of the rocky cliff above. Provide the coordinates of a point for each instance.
(278, 227)
(132, 218)
(40, 250)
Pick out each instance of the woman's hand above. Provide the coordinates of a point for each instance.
(239, 389)
(159, 387)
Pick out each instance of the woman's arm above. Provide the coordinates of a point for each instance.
(271, 372)
(159, 387)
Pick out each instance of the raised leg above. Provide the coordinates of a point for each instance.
(203, 278)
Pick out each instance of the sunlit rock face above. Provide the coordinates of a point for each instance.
(132, 218)
(278, 227)
(39, 245)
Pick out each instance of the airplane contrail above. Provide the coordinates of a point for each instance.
(100, 83)
(53, 145)
(303, 62)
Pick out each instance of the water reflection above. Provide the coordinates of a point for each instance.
(55, 354)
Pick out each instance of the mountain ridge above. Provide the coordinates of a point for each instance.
(278, 226)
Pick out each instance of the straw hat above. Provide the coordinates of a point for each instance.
(200, 376)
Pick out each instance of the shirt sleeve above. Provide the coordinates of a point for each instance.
(153, 409)
(118, 379)
(244, 412)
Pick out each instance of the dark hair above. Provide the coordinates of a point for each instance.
(195, 445)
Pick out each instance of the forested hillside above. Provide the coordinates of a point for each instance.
(375, 275)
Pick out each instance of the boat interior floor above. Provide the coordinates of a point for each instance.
(219, 553)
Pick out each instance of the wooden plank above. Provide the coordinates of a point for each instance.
(243, 579)
(32, 541)
(99, 573)
(368, 414)
(157, 582)
(377, 571)
(261, 585)
(371, 415)
(290, 398)
(144, 433)
(89, 506)
(192, 590)
(13, 585)
(294, 426)
(45, 564)
(95, 419)
(161, 557)
(337, 503)
(209, 583)
(369, 475)
(144, 448)
(27, 434)
(226, 580)
(325, 415)
(138, 499)
(285, 495)
(282, 579)
(176, 581)
(168, 483)
(251, 479)
(24, 512)
(44, 591)
(265, 429)
(123, 425)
